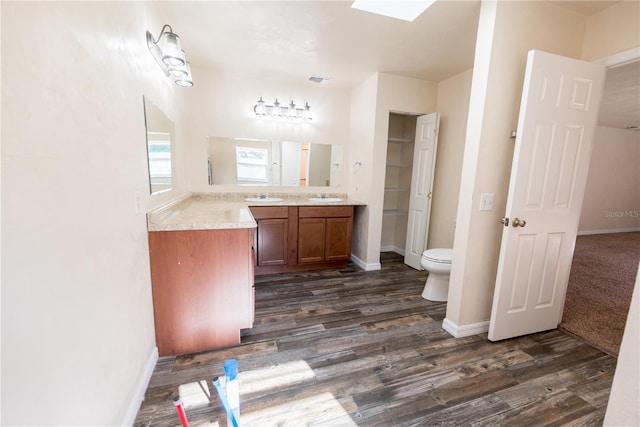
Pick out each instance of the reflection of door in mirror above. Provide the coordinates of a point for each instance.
(304, 168)
(159, 148)
(319, 165)
(291, 160)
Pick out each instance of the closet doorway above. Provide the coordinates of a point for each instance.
(411, 152)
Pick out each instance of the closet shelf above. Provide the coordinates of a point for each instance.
(396, 189)
(394, 212)
(402, 140)
(398, 165)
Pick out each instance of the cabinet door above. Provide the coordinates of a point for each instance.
(338, 239)
(311, 240)
(272, 241)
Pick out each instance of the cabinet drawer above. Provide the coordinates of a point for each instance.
(266, 212)
(325, 211)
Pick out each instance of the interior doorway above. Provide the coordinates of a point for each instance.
(397, 182)
(605, 261)
(411, 157)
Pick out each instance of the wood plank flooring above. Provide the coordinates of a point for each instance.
(354, 348)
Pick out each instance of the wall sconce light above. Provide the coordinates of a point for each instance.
(170, 56)
(276, 110)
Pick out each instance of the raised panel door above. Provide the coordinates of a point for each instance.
(272, 241)
(338, 239)
(558, 115)
(311, 240)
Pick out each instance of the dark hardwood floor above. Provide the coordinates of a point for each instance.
(354, 348)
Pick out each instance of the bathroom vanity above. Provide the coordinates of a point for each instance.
(205, 249)
(201, 258)
(297, 238)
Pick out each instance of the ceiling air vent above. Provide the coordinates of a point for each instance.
(317, 79)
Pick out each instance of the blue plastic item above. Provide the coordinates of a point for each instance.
(231, 369)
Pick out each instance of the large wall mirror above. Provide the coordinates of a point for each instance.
(160, 134)
(237, 161)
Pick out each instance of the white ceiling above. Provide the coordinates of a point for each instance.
(293, 40)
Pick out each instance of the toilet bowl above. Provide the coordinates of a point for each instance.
(438, 263)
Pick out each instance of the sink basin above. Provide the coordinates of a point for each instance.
(326, 199)
(263, 199)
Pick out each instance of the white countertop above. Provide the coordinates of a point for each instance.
(204, 211)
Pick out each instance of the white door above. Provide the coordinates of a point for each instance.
(290, 164)
(558, 113)
(424, 159)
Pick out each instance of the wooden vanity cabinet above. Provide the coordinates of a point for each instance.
(272, 237)
(202, 283)
(302, 238)
(324, 233)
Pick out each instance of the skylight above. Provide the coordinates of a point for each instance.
(407, 10)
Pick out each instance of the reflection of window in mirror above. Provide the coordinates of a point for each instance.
(159, 146)
(251, 164)
(160, 131)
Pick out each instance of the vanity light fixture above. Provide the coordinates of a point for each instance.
(290, 112)
(170, 57)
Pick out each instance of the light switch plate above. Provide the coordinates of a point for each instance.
(486, 201)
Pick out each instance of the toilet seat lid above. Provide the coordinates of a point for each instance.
(443, 255)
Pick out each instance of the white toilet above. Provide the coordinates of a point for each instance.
(438, 263)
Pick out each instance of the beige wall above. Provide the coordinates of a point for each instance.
(505, 36)
(399, 94)
(359, 168)
(612, 197)
(77, 318)
(453, 106)
(612, 30)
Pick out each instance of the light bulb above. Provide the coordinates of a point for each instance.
(260, 109)
(306, 114)
(186, 80)
(172, 54)
(276, 110)
(291, 113)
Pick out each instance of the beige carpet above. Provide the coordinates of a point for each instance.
(602, 277)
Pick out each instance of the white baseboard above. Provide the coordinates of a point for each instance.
(363, 265)
(465, 330)
(143, 383)
(615, 230)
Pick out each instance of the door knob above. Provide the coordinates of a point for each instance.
(519, 222)
(504, 221)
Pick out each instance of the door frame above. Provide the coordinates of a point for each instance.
(386, 148)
